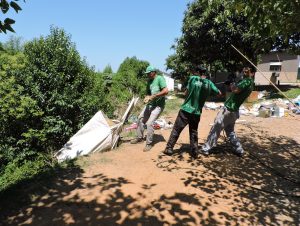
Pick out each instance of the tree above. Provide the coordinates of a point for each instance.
(130, 80)
(5, 7)
(107, 70)
(62, 85)
(272, 19)
(209, 29)
(206, 38)
(13, 45)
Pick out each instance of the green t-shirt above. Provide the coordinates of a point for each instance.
(154, 86)
(235, 100)
(198, 91)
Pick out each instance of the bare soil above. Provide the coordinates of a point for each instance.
(127, 186)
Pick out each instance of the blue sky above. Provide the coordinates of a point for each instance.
(106, 31)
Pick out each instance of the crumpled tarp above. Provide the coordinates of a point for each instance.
(95, 135)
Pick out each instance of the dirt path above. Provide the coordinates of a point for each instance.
(130, 187)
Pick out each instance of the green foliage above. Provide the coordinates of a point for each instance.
(271, 19)
(58, 80)
(47, 93)
(24, 167)
(173, 105)
(5, 6)
(211, 26)
(13, 45)
(108, 70)
(130, 80)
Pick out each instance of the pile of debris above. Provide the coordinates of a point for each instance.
(265, 108)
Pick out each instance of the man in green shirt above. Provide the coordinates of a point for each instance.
(198, 89)
(155, 103)
(230, 113)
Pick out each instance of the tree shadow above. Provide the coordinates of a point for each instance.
(264, 184)
(71, 198)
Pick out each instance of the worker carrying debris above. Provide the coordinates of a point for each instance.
(228, 115)
(155, 103)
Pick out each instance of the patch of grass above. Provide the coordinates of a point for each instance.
(291, 93)
(86, 161)
(128, 134)
(172, 105)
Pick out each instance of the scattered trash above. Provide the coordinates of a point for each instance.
(132, 119)
(243, 110)
(264, 113)
(278, 112)
(162, 124)
(131, 127)
(262, 94)
(212, 105)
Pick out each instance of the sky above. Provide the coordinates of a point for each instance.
(106, 31)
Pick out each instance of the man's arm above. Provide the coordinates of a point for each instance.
(215, 89)
(163, 92)
(234, 88)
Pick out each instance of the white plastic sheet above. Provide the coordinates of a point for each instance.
(95, 135)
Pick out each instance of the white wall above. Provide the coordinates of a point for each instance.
(170, 83)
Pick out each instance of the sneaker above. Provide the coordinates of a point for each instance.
(148, 147)
(239, 152)
(136, 140)
(168, 151)
(205, 150)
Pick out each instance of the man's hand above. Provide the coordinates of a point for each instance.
(220, 94)
(147, 99)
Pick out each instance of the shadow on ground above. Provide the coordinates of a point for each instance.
(52, 203)
(264, 184)
(262, 188)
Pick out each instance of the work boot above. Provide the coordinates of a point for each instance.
(168, 151)
(194, 154)
(148, 147)
(136, 140)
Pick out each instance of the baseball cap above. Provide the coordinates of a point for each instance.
(150, 69)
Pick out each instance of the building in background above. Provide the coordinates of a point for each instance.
(279, 67)
(169, 81)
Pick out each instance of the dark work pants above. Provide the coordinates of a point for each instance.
(184, 118)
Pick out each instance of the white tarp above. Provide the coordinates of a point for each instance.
(95, 135)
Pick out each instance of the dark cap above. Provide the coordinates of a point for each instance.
(200, 68)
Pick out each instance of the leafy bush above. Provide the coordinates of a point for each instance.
(129, 81)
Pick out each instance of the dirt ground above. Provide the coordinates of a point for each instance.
(130, 187)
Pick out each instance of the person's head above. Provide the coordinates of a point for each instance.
(150, 71)
(247, 72)
(200, 70)
(252, 72)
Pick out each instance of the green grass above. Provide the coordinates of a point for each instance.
(292, 93)
(172, 105)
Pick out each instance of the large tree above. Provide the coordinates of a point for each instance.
(277, 20)
(209, 29)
